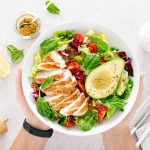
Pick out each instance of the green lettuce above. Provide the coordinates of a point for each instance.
(113, 103)
(87, 121)
(37, 60)
(128, 90)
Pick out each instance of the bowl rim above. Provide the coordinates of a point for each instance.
(51, 124)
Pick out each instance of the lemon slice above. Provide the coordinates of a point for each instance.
(4, 67)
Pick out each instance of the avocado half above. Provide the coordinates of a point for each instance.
(103, 80)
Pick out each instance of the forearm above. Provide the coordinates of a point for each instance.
(118, 139)
(26, 141)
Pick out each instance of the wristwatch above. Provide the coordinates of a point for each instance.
(37, 132)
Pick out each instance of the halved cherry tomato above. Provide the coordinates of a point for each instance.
(70, 121)
(73, 66)
(102, 60)
(92, 47)
(80, 85)
(78, 39)
(102, 110)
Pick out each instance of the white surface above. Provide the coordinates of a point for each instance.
(115, 40)
(125, 16)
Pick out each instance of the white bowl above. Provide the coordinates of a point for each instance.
(81, 27)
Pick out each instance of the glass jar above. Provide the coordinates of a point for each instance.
(17, 26)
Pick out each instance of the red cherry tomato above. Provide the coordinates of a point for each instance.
(73, 66)
(102, 60)
(70, 121)
(80, 85)
(92, 47)
(78, 38)
(102, 110)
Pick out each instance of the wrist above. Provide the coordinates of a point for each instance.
(37, 124)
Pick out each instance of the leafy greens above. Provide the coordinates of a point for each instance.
(15, 54)
(87, 121)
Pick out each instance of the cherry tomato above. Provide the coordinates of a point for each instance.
(80, 85)
(70, 121)
(102, 110)
(92, 47)
(102, 60)
(73, 66)
(78, 39)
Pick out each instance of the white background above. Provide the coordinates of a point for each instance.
(124, 16)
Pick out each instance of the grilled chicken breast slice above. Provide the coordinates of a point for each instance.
(75, 105)
(67, 100)
(48, 66)
(65, 90)
(54, 100)
(55, 74)
(55, 57)
(82, 109)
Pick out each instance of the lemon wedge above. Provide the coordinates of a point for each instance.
(4, 67)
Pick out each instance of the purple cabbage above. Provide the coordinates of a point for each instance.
(128, 66)
(79, 75)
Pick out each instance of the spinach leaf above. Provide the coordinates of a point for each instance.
(44, 109)
(47, 46)
(102, 46)
(90, 62)
(113, 103)
(128, 90)
(52, 8)
(15, 54)
(87, 121)
(94, 63)
(47, 83)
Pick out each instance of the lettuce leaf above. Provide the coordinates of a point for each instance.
(128, 90)
(113, 103)
(37, 60)
(63, 37)
(87, 121)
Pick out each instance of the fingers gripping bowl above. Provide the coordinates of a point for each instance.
(85, 76)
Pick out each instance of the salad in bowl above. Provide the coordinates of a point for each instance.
(79, 79)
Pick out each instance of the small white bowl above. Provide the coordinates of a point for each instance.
(81, 27)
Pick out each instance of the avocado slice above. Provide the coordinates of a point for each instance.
(122, 83)
(103, 80)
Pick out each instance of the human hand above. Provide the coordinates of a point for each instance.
(126, 121)
(119, 137)
(30, 117)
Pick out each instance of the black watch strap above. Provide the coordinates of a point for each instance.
(37, 132)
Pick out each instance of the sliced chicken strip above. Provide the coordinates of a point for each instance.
(48, 66)
(55, 74)
(83, 108)
(65, 90)
(67, 78)
(60, 84)
(55, 57)
(71, 108)
(54, 100)
(67, 100)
